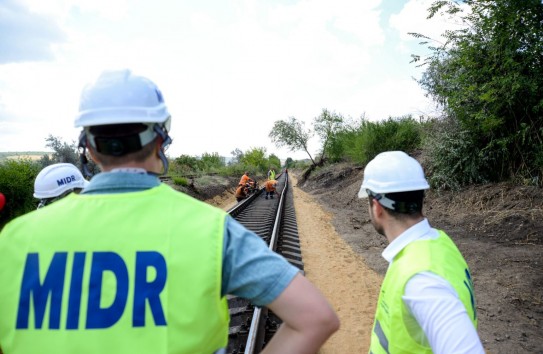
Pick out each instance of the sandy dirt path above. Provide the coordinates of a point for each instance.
(347, 282)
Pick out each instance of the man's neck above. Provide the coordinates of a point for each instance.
(151, 166)
(395, 227)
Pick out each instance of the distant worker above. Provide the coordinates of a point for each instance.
(427, 301)
(271, 173)
(56, 181)
(2, 201)
(271, 186)
(131, 265)
(245, 178)
(241, 192)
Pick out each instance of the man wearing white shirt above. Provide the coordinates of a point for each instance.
(427, 301)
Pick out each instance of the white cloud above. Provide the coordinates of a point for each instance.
(227, 70)
(26, 35)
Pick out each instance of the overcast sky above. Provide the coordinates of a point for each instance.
(227, 69)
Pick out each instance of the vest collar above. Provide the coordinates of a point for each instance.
(419, 231)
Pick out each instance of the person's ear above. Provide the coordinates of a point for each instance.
(158, 145)
(377, 208)
(93, 155)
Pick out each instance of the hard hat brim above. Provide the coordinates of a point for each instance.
(362, 194)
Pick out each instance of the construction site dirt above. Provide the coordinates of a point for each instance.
(497, 227)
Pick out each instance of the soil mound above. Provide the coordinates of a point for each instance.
(207, 187)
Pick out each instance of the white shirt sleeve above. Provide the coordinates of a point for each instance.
(435, 305)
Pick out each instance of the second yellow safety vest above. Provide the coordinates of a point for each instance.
(440, 256)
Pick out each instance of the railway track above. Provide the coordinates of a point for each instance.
(274, 220)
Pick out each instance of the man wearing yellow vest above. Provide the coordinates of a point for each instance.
(271, 173)
(131, 265)
(427, 302)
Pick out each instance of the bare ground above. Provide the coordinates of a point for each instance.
(498, 228)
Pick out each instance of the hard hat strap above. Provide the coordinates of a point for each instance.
(119, 145)
(402, 207)
(162, 131)
(82, 147)
(383, 200)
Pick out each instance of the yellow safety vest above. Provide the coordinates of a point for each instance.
(114, 273)
(439, 256)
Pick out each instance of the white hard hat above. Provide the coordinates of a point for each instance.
(119, 97)
(56, 179)
(391, 172)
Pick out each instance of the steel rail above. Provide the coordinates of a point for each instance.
(274, 220)
(254, 331)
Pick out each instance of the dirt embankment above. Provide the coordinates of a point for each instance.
(497, 227)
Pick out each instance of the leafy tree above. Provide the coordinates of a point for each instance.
(237, 155)
(289, 162)
(65, 153)
(326, 125)
(62, 151)
(489, 77)
(274, 161)
(187, 163)
(256, 157)
(17, 184)
(213, 160)
(292, 134)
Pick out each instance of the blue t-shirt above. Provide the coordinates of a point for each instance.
(250, 269)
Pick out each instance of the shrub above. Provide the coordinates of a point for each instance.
(17, 184)
(180, 181)
(361, 144)
(455, 159)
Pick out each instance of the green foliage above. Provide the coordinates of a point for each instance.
(190, 165)
(292, 134)
(237, 155)
(256, 158)
(274, 162)
(237, 169)
(17, 184)
(289, 163)
(17, 176)
(67, 153)
(300, 164)
(453, 158)
(363, 142)
(327, 125)
(253, 160)
(489, 77)
(212, 162)
(62, 151)
(180, 181)
(185, 164)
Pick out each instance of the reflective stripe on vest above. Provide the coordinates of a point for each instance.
(390, 334)
(114, 273)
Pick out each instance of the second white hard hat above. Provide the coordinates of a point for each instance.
(391, 172)
(56, 179)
